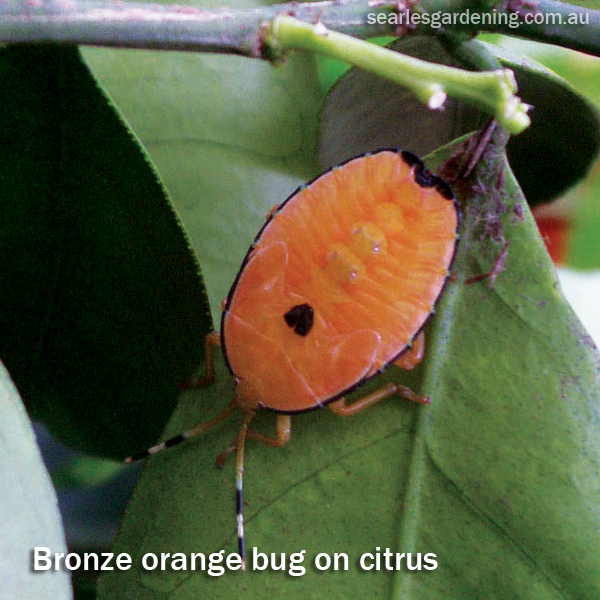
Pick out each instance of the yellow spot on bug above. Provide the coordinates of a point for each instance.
(343, 266)
(389, 217)
(368, 240)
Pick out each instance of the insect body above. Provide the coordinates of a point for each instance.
(338, 284)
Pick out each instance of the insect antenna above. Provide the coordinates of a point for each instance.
(182, 437)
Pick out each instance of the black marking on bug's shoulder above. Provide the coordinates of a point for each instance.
(300, 318)
(412, 160)
(444, 189)
(423, 177)
(426, 178)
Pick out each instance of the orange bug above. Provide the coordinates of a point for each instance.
(337, 285)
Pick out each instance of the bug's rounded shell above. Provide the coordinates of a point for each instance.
(339, 281)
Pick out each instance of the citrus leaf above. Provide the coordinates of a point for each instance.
(230, 137)
(28, 511)
(102, 303)
(515, 443)
(497, 478)
(85, 472)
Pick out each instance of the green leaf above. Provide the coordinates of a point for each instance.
(28, 511)
(102, 303)
(498, 477)
(85, 472)
(582, 71)
(515, 444)
(363, 113)
(583, 249)
(230, 137)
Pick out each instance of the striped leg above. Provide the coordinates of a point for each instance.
(387, 391)
(283, 437)
(198, 430)
(239, 487)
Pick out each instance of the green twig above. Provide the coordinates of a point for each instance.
(492, 90)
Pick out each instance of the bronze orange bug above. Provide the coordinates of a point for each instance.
(337, 285)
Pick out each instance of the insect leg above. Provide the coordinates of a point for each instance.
(284, 432)
(411, 358)
(211, 340)
(272, 212)
(499, 266)
(477, 151)
(283, 436)
(387, 391)
(199, 429)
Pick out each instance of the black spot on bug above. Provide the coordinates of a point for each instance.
(300, 318)
(426, 178)
(411, 159)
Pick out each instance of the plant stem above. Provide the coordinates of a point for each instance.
(172, 27)
(490, 90)
(470, 53)
(178, 27)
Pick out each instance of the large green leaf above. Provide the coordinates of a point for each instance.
(230, 137)
(102, 305)
(28, 511)
(514, 446)
(498, 478)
